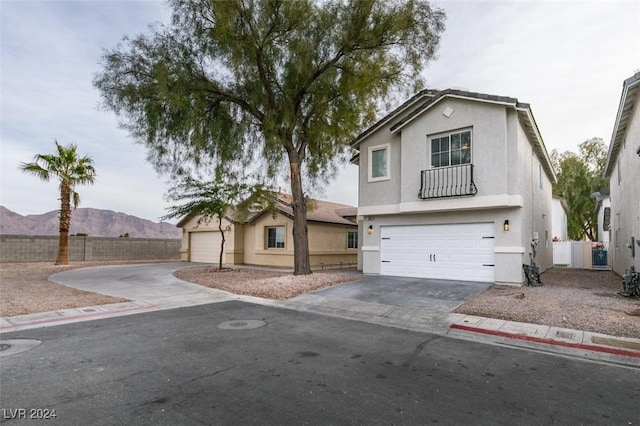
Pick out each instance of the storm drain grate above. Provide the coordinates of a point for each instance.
(241, 324)
(4, 346)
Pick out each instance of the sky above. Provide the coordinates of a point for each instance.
(567, 59)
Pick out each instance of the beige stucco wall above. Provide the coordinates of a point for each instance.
(246, 244)
(327, 243)
(625, 198)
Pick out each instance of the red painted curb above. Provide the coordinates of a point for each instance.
(604, 349)
(64, 318)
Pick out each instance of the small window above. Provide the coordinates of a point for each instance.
(451, 150)
(275, 237)
(379, 163)
(352, 240)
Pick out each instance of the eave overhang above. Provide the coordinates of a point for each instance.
(393, 114)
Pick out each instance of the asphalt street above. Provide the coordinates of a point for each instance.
(238, 363)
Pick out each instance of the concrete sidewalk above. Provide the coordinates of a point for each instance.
(153, 287)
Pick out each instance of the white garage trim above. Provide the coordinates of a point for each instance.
(463, 252)
(205, 247)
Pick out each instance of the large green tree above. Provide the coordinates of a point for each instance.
(70, 169)
(267, 88)
(579, 176)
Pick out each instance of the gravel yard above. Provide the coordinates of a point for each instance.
(570, 298)
(25, 289)
(265, 284)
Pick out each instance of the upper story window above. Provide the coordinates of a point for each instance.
(379, 162)
(451, 150)
(275, 237)
(352, 239)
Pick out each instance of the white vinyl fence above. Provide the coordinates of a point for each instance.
(582, 255)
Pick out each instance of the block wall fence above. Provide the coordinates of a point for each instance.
(44, 248)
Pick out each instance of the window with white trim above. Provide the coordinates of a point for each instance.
(275, 237)
(379, 162)
(453, 149)
(352, 239)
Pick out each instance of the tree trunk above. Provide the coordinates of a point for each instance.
(301, 265)
(223, 240)
(65, 221)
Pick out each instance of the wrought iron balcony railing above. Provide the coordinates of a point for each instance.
(442, 182)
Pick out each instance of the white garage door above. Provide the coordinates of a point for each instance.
(463, 252)
(205, 247)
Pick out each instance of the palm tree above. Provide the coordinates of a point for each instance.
(72, 170)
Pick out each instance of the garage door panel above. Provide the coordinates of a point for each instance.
(455, 252)
(205, 247)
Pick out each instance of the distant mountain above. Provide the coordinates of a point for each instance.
(94, 222)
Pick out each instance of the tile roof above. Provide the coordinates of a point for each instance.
(457, 93)
(317, 211)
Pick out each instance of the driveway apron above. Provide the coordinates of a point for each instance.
(412, 303)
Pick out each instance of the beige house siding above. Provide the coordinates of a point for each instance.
(247, 243)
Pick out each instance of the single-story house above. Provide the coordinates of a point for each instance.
(265, 237)
(455, 185)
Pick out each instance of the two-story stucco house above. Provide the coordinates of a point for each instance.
(623, 170)
(454, 185)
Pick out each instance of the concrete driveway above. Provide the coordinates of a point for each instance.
(151, 284)
(411, 303)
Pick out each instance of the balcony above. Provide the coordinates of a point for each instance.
(443, 182)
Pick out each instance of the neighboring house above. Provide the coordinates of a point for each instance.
(559, 212)
(266, 238)
(455, 185)
(603, 212)
(623, 170)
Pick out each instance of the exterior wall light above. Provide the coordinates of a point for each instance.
(506, 225)
(370, 230)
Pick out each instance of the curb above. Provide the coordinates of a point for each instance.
(604, 349)
(22, 322)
